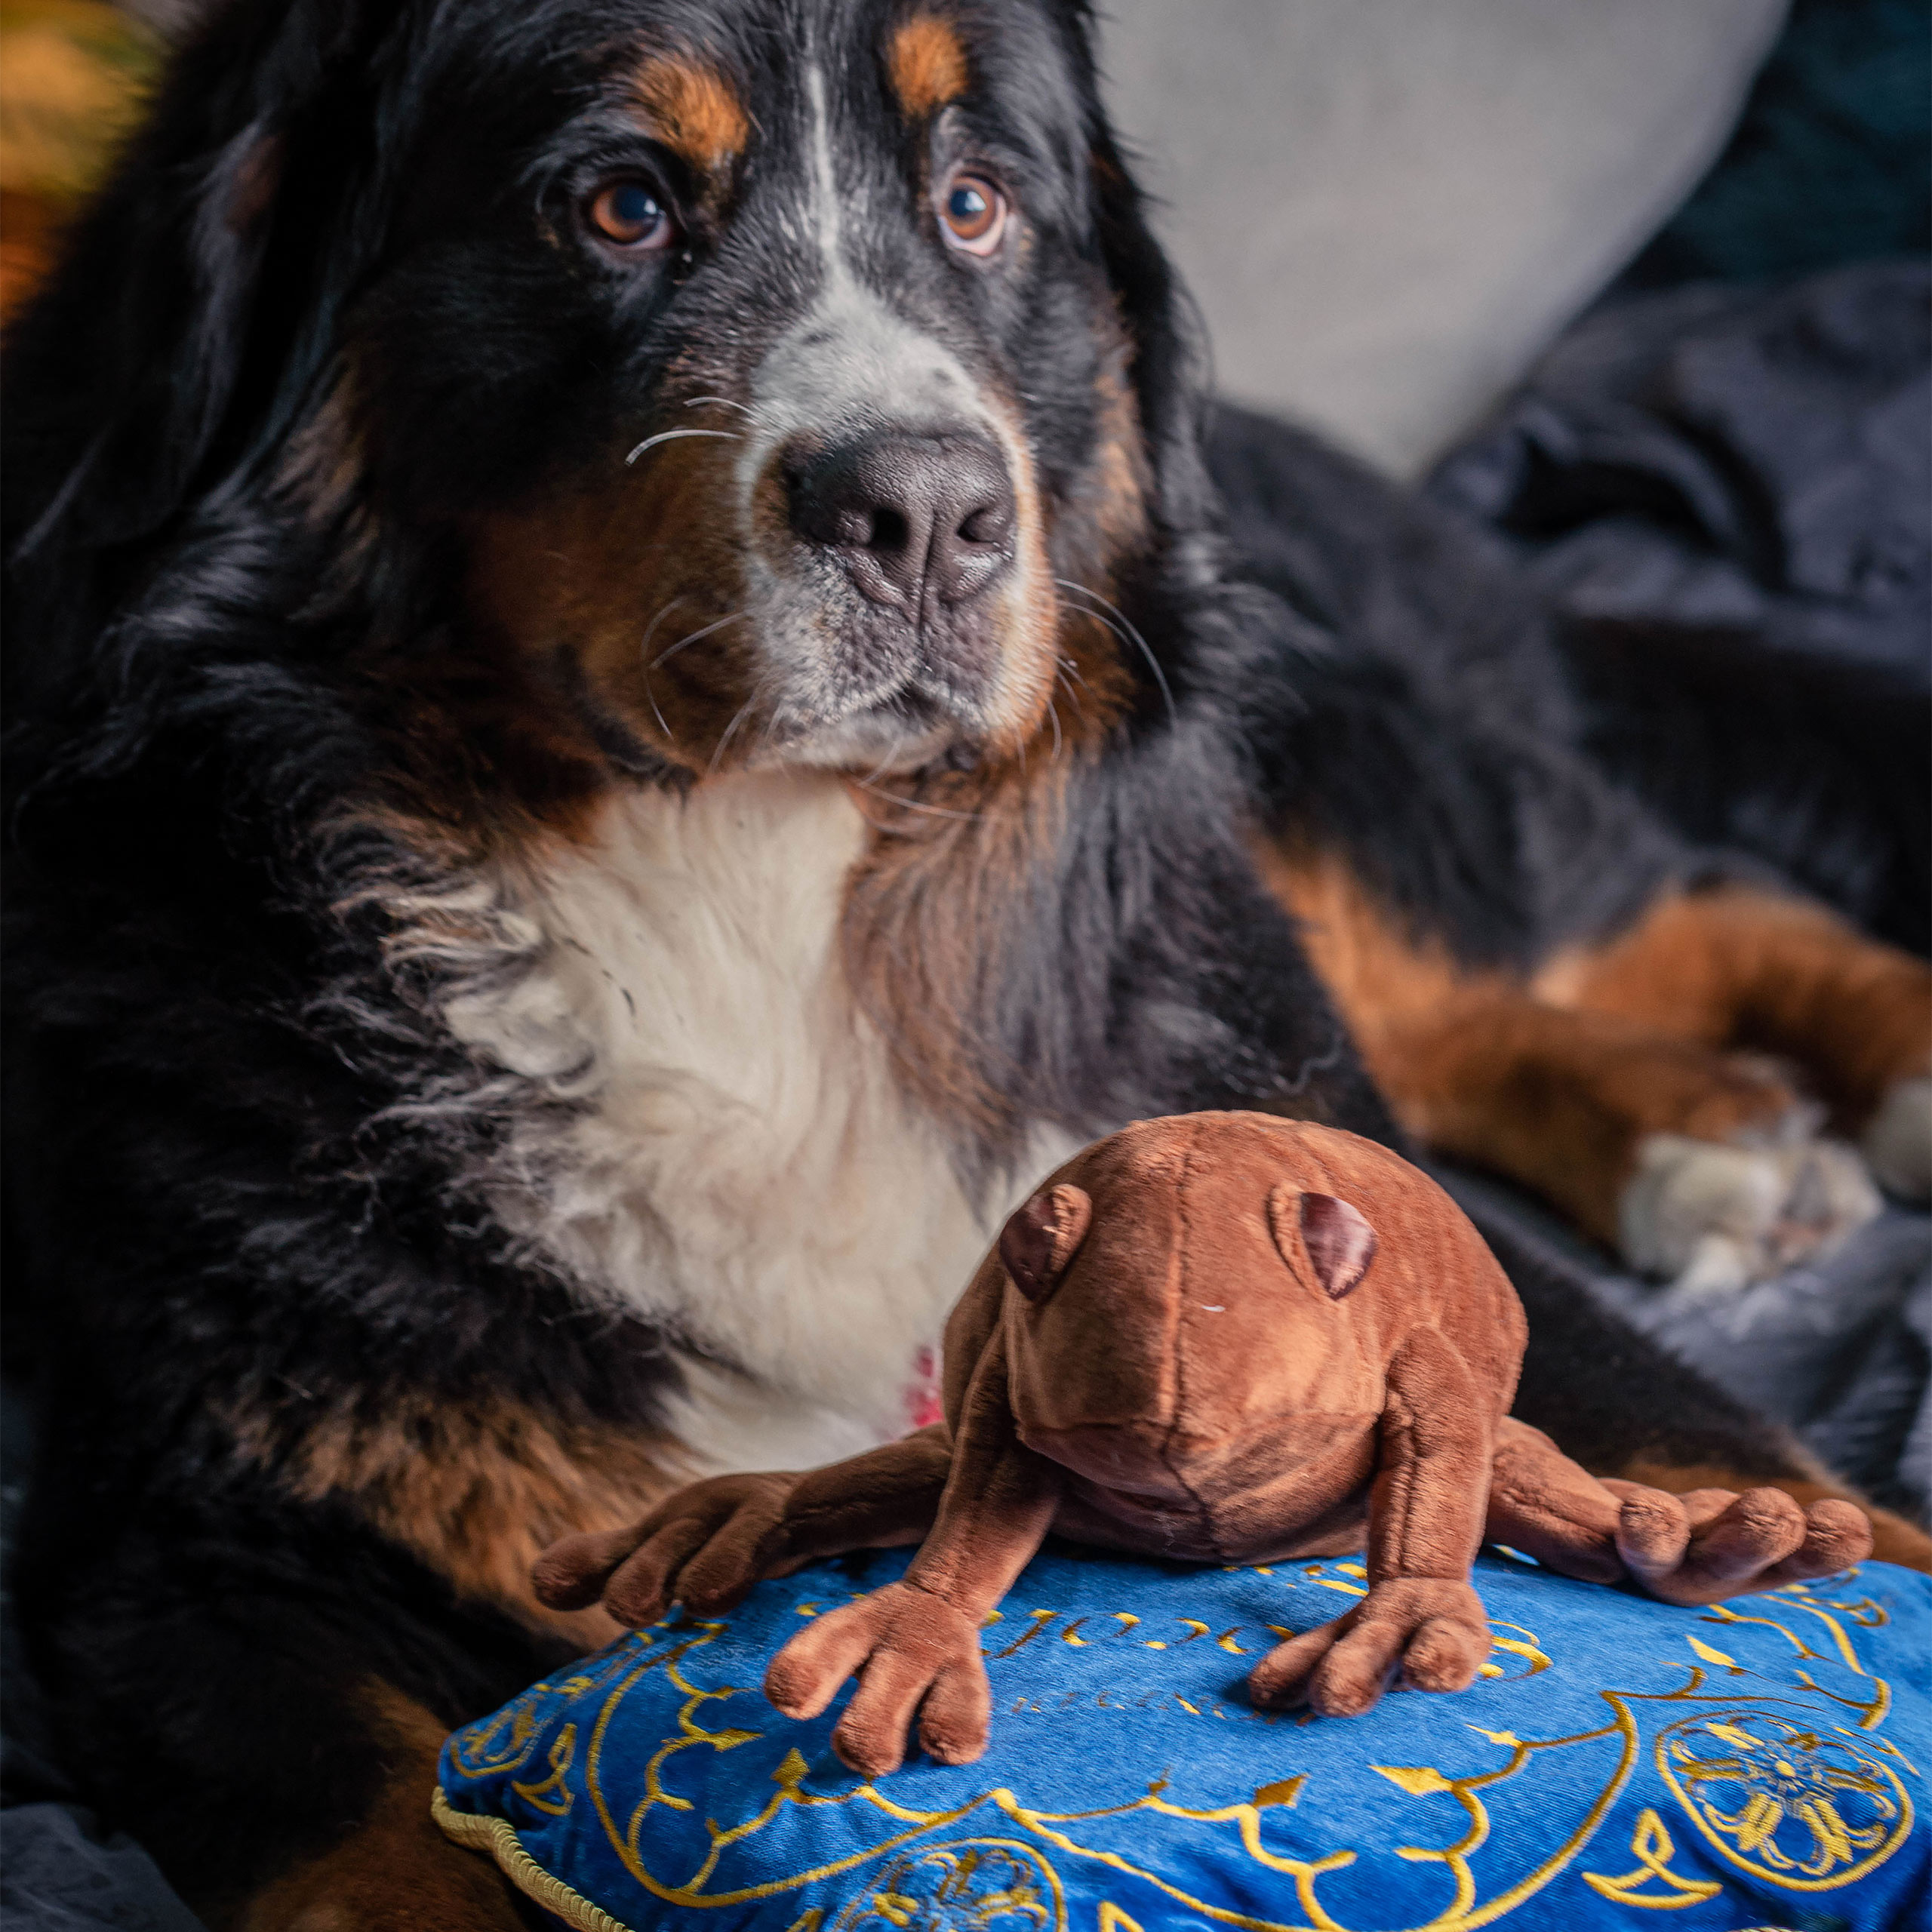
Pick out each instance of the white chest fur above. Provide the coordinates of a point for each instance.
(729, 1153)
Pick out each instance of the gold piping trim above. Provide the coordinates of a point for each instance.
(497, 1838)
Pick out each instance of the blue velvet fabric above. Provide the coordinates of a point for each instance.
(1763, 1763)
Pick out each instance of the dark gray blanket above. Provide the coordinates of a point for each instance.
(1742, 478)
(1721, 458)
(1726, 494)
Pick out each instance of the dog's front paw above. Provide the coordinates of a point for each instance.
(1713, 1544)
(705, 1546)
(1897, 1140)
(1718, 1216)
(912, 1652)
(1432, 1630)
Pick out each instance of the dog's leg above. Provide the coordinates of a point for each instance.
(1735, 967)
(395, 1871)
(1698, 1163)
(267, 1725)
(255, 1681)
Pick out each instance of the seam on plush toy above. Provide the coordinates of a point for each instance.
(497, 1837)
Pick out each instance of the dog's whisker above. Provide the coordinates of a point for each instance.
(1129, 635)
(655, 712)
(651, 629)
(1073, 696)
(671, 436)
(729, 617)
(914, 805)
(723, 402)
(644, 652)
(1053, 716)
(743, 713)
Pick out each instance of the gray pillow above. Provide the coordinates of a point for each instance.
(1385, 208)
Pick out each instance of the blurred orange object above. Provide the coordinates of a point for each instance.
(72, 73)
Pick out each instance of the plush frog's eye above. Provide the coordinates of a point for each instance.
(1042, 1238)
(1335, 1237)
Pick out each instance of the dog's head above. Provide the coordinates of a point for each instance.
(765, 382)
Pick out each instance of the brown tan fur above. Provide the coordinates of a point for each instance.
(929, 907)
(1736, 968)
(1031, 643)
(30, 228)
(476, 1493)
(1106, 518)
(396, 1872)
(693, 111)
(927, 64)
(572, 566)
(1477, 1065)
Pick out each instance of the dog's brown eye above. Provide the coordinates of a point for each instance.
(972, 214)
(630, 214)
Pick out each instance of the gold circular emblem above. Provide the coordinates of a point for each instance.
(1807, 1809)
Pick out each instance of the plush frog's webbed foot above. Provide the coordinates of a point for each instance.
(704, 1547)
(913, 1652)
(1710, 1543)
(1430, 1630)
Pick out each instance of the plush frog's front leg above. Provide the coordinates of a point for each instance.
(1421, 1616)
(914, 1645)
(706, 1545)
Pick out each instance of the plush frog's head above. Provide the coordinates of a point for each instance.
(1198, 1307)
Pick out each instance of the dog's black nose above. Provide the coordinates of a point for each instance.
(908, 516)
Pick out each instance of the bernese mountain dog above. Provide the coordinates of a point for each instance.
(629, 713)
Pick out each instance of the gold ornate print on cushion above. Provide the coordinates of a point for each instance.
(968, 1882)
(1792, 1805)
(1626, 1756)
(1652, 1883)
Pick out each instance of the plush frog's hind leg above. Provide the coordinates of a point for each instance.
(1547, 1506)
(1696, 1549)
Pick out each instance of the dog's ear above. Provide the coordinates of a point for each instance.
(187, 305)
(1165, 330)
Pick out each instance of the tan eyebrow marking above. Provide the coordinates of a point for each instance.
(696, 114)
(926, 63)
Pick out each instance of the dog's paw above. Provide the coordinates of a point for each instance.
(1897, 1140)
(1716, 1216)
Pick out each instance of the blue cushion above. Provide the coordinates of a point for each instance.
(1762, 1763)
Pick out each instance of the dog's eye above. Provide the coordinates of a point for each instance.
(630, 215)
(972, 214)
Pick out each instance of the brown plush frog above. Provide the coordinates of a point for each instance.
(1221, 1337)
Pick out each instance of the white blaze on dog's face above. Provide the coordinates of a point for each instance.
(790, 394)
(906, 591)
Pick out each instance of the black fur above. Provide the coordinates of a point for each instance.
(242, 1135)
